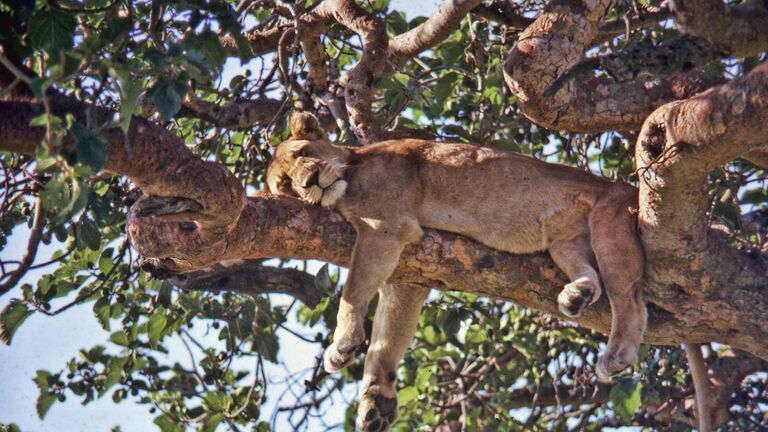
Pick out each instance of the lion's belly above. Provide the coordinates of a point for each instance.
(514, 233)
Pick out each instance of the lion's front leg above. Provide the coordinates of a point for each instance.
(377, 251)
(397, 315)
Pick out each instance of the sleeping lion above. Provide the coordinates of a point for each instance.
(390, 191)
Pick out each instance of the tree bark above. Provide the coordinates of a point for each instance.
(736, 30)
(553, 44)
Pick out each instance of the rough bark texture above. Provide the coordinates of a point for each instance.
(250, 277)
(553, 44)
(738, 30)
(679, 145)
(235, 114)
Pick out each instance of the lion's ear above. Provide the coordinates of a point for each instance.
(304, 126)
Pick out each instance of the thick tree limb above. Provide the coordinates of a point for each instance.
(272, 227)
(506, 13)
(739, 30)
(553, 44)
(681, 143)
(159, 163)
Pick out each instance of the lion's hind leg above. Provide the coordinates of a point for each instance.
(620, 258)
(575, 258)
(397, 315)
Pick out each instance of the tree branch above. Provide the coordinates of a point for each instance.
(378, 56)
(553, 44)
(506, 13)
(35, 235)
(737, 30)
(159, 163)
(287, 228)
(680, 144)
(235, 114)
(250, 277)
(434, 30)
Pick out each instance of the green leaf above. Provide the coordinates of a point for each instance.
(626, 397)
(119, 337)
(130, 90)
(44, 379)
(267, 345)
(217, 401)
(243, 46)
(207, 43)
(155, 327)
(44, 402)
(406, 395)
(167, 95)
(101, 311)
(51, 31)
(323, 281)
(68, 195)
(88, 235)
(211, 422)
(11, 318)
(13, 427)
(56, 193)
(444, 87)
(91, 149)
(114, 372)
(456, 130)
(755, 196)
(166, 424)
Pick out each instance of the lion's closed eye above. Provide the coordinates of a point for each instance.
(301, 152)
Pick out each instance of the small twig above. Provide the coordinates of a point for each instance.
(29, 257)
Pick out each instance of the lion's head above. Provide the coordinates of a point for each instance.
(307, 165)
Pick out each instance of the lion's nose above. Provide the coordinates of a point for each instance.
(312, 179)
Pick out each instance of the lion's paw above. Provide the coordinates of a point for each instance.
(576, 296)
(312, 194)
(611, 363)
(337, 357)
(376, 413)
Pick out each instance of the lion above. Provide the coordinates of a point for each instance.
(390, 191)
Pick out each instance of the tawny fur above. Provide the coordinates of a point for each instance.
(390, 191)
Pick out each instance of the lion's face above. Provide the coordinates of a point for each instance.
(312, 170)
